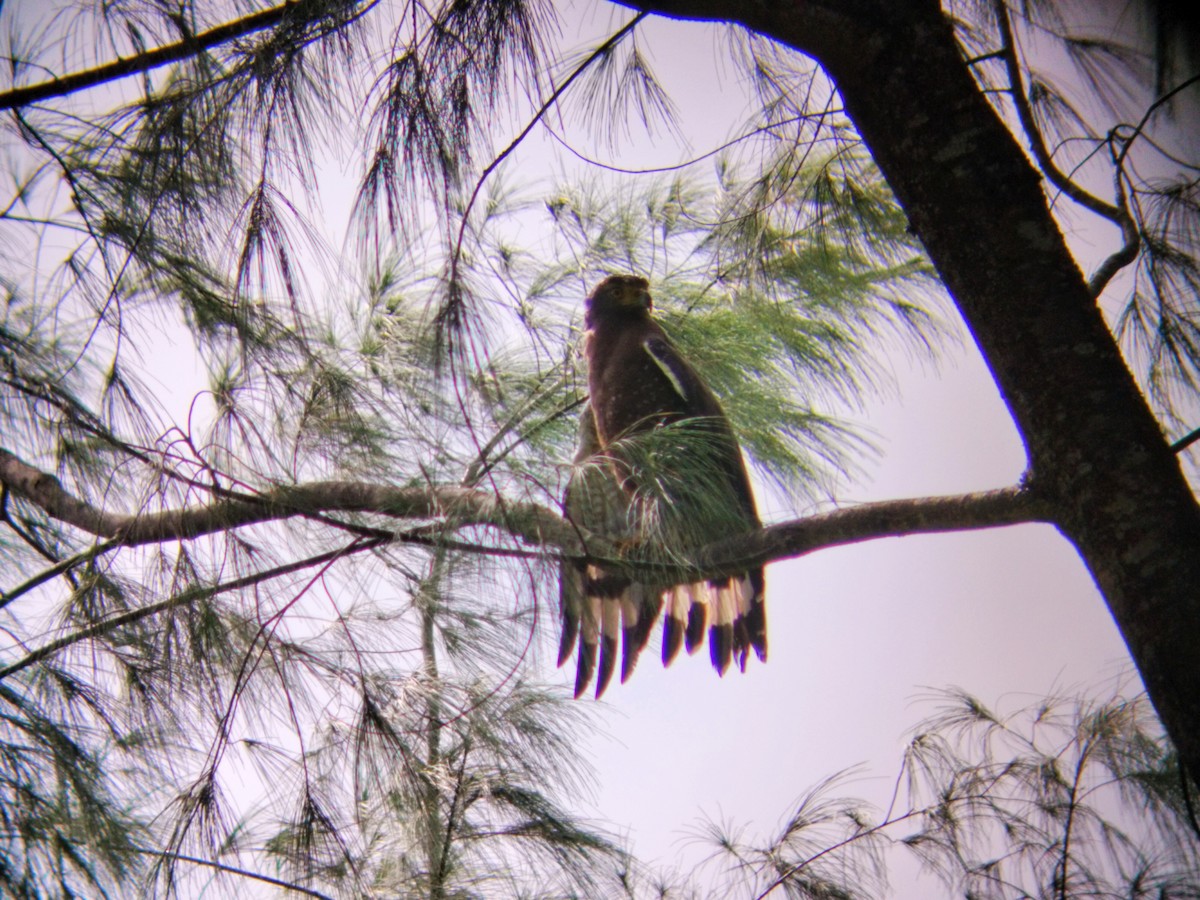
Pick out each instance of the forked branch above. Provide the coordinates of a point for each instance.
(1117, 213)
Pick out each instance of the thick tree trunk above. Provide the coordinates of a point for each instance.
(1097, 456)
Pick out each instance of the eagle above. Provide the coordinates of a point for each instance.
(656, 459)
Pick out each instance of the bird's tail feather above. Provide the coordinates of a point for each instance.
(601, 611)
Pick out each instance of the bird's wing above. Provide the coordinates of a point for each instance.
(671, 364)
(600, 609)
(732, 607)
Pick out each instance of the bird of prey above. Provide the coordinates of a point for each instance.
(656, 457)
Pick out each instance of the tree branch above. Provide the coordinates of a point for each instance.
(1186, 441)
(144, 62)
(235, 870)
(151, 59)
(456, 507)
(1117, 214)
(870, 521)
(1132, 236)
(187, 597)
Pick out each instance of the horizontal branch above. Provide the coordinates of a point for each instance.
(454, 507)
(871, 521)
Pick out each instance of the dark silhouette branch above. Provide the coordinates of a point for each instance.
(1132, 239)
(1186, 441)
(1128, 139)
(1132, 236)
(1117, 213)
(1036, 141)
(235, 870)
(150, 59)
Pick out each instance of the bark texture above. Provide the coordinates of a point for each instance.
(1098, 460)
(454, 508)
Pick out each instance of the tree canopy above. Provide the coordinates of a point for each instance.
(322, 558)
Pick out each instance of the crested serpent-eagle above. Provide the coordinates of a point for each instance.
(657, 462)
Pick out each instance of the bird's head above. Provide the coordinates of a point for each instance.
(619, 295)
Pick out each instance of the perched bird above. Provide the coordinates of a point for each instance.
(657, 459)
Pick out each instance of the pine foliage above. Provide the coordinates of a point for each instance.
(351, 702)
(1069, 797)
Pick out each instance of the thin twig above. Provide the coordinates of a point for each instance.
(1137, 129)
(1036, 141)
(183, 599)
(234, 870)
(1117, 213)
(537, 117)
(656, 170)
(59, 568)
(1072, 808)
